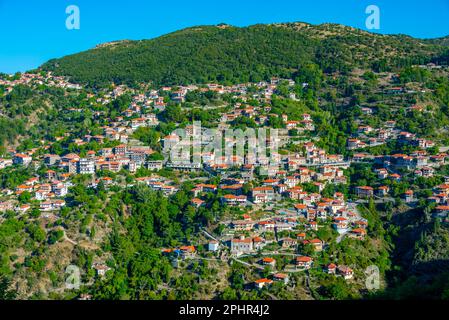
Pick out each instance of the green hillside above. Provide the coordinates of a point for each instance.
(230, 55)
(444, 41)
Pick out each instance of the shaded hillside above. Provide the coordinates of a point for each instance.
(444, 41)
(421, 258)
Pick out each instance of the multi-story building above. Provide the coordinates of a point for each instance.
(241, 246)
(22, 159)
(85, 166)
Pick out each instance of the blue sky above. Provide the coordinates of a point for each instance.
(34, 31)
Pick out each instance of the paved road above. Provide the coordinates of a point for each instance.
(377, 200)
(352, 206)
(209, 235)
(66, 238)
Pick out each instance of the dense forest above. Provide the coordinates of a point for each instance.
(229, 54)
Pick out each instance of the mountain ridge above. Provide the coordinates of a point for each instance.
(225, 53)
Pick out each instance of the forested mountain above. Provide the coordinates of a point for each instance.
(229, 54)
(338, 87)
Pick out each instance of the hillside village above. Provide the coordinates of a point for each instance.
(278, 224)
